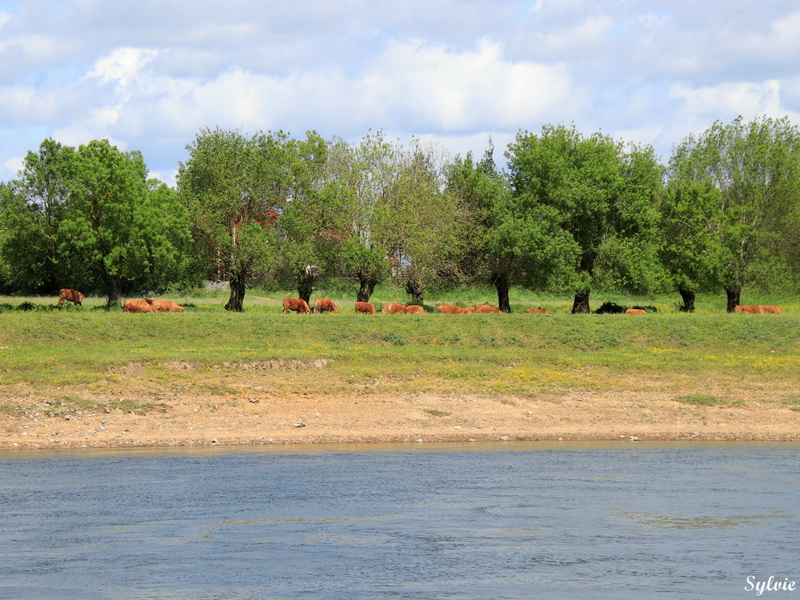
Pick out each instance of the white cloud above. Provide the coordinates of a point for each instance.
(440, 90)
(151, 74)
(122, 66)
(728, 99)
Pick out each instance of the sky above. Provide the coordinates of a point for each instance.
(150, 75)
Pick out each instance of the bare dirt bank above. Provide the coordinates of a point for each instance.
(267, 418)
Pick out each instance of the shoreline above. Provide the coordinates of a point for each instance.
(287, 419)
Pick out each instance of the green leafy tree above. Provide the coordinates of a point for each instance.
(234, 188)
(755, 169)
(421, 223)
(601, 195)
(689, 252)
(86, 218)
(34, 206)
(364, 176)
(310, 223)
(509, 239)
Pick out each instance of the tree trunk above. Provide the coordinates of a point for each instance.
(581, 303)
(113, 293)
(688, 301)
(367, 287)
(502, 285)
(734, 295)
(236, 301)
(305, 289)
(416, 289)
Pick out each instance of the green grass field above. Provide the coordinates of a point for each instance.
(510, 355)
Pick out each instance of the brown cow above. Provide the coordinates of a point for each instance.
(756, 310)
(635, 311)
(537, 311)
(324, 305)
(137, 306)
(486, 309)
(365, 308)
(73, 296)
(163, 305)
(450, 309)
(774, 310)
(298, 305)
(393, 308)
(414, 309)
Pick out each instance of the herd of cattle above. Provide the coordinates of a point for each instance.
(322, 305)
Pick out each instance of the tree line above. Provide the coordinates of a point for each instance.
(568, 213)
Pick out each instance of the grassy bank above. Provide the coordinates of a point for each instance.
(77, 354)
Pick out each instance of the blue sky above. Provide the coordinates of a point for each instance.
(150, 74)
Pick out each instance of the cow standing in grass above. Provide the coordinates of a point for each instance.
(73, 296)
(324, 305)
(297, 305)
(365, 308)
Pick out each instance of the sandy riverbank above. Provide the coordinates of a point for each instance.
(281, 419)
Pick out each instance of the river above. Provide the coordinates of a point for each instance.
(628, 520)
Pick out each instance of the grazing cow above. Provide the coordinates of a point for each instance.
(137, 306)
(73, 296)
(635, 311)
(393, 308)
(298, 305)
(365, 308)
(775, 310)
(537, 311)
(486, 309)
(163, 305)
(414, 310)
(324, 305)
(756, 310)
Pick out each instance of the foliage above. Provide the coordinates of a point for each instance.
(572, 213)
(599, 194)
(234, 188)
(744, 180)
(87, 218)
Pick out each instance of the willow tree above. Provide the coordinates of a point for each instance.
(361, 178)
(309, 223)
(754, 169)
(234, 188)
(507, 239)
(422, 223)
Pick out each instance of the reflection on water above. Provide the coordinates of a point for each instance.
(702, 522)
(447, 521)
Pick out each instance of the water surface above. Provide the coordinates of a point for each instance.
(529, 520)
